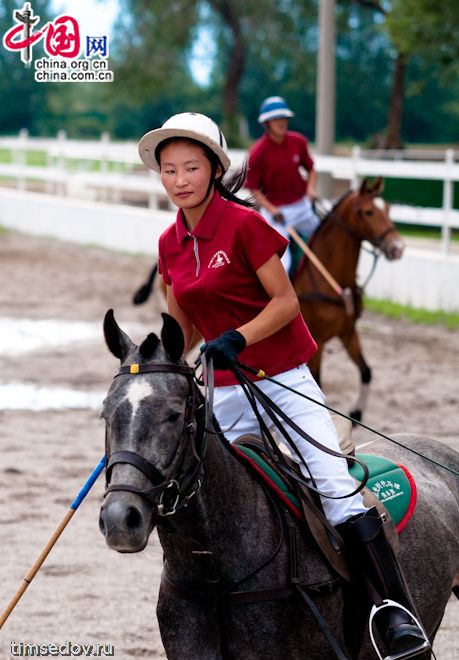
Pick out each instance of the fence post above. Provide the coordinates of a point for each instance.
(61, 188)
(152, 195)
(448, 188)
(49, 165)
(105, 139)
(354, 163)
(20, 159)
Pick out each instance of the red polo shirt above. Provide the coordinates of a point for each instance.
(273, 168)
(212, 271)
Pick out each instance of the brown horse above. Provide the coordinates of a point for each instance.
(357, 216)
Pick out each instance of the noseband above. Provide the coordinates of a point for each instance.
(173, 490)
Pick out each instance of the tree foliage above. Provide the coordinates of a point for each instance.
(426, 28)
(23, 100)
(259, 49)
(155, 43)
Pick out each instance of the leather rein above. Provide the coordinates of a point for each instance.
(169, 492)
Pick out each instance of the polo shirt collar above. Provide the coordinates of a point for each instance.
(207, 224)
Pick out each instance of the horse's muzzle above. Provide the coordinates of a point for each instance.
(393, 250)
(126, 522)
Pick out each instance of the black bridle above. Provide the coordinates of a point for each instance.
(173, 490)
(377, 241)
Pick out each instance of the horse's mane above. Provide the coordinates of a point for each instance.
(324, 223)
(329, 213)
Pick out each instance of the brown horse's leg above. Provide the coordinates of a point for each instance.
(351, 343)
(314, 364)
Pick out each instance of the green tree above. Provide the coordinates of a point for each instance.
(23, 100)
(423, 29)
(427, 28)
(156, 38)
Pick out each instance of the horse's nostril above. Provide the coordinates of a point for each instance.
(133, 519)
(102, 526)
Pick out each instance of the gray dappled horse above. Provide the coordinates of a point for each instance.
(225, 535)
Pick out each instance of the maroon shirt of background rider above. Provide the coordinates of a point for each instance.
(274, 168)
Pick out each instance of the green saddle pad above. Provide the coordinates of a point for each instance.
(392, 484)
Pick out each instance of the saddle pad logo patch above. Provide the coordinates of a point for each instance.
(387, 489)
(219, 259)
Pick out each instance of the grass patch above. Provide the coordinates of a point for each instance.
(393, 310)
(38, 159)
(5, 156)
(419, 231)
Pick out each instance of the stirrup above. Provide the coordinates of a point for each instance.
(403, 655)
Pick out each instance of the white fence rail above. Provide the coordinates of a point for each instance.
(421, 278)
(67, 172)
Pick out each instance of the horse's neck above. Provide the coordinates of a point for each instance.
(220, 519)
(338, 251)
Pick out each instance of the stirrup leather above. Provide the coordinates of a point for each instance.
(403, 655)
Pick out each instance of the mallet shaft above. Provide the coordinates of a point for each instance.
(51, 542)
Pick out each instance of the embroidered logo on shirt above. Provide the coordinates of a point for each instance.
(220, 258)
(296, 158)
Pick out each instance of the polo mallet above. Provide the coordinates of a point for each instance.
(345, 294)
(48, 547)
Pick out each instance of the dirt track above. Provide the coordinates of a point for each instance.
(86, 593)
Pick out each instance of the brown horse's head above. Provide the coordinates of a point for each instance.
(368, 219)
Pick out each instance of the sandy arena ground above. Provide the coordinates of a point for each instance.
(86, 593)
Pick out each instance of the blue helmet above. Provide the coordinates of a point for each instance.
(274, 107)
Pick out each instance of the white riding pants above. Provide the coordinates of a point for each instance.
(299, 215)
(329, 472)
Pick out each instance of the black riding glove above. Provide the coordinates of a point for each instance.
(224, 349)
(279, 218)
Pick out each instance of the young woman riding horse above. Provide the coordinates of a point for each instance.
(221, 265)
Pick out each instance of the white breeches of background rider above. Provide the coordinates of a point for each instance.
(330, 473)
(299, 215)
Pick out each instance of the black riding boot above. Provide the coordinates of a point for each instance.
(372, 558)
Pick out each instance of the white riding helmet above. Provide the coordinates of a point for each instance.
(187, 125)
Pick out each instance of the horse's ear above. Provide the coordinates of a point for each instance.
(172, 338)
(378, 186)
(117, 341)
(364, 186)
(149, 346)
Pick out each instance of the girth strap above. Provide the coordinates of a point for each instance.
(233, 597)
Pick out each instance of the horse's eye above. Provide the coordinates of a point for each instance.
(174, 417)
(368, 212)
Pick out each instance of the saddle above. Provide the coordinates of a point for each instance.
(385, 488)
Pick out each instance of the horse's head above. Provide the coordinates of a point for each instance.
(149, 417)
(368, 219)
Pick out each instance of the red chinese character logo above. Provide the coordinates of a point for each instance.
(62, 36)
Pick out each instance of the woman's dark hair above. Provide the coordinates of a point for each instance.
(226, 184)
